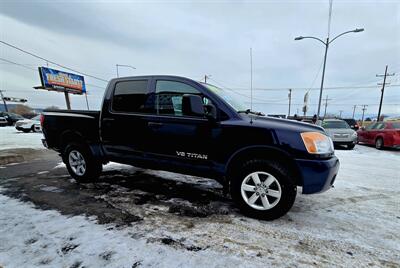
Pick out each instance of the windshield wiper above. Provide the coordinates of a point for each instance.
(248, 111)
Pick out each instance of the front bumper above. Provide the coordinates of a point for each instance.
(318, 175)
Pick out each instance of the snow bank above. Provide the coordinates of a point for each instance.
(10, 138)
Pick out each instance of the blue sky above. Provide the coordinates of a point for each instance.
(202, 37)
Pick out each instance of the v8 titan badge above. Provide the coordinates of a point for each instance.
(192, 155)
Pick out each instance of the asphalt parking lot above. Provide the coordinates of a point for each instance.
(50, 220)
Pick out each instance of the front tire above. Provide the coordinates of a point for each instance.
(351, 146)
(379, 143)
(263, 189)
(81, 164)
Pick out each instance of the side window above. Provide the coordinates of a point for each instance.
(370, 126)
(169, 97)
(132, 97)
(378, 126)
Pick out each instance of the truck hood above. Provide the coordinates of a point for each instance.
(282, 124)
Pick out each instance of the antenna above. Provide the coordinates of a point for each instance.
(251, 79)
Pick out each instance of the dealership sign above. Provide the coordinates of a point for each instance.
(62, 81)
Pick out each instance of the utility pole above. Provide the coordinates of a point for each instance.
(340, 113)
(4, 101)
(363, 109)
(382, 90)
(326, 104)
(354, 110)
(206, 77)
(290, 100)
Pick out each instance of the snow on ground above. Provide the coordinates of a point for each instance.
(11, 138)
(30, 237)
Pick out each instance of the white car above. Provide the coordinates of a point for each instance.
(28, 125)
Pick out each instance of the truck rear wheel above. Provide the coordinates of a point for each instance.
(263, 189)
(81, 164)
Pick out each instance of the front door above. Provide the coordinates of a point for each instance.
(175, 136)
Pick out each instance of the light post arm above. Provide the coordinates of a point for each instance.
(310, 37)
(352, 31)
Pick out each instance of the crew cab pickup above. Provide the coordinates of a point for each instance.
(180, 125)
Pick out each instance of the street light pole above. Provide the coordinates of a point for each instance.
(326, 44)
(123, 65)
(322, 79)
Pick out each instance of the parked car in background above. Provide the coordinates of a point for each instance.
(28, 125)
(11, 117)
(352, 123)
(340, 132)
(381, 134)
(3, 121)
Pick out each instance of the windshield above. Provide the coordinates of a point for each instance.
(228, 96)
(334, 124)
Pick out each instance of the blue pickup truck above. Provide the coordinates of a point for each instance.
(180, 125)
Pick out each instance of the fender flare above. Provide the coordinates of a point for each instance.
(260, 151)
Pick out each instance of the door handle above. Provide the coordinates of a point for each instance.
(154, 124)
(108, 119)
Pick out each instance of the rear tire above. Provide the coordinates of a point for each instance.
(379, 143)
(270, 196)
(81, 164)
(26, 130)
(351, 146)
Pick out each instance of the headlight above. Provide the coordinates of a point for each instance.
(317, 143)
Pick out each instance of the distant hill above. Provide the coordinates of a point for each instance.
(11, 106)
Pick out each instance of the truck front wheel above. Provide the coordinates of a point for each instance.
(81, 164)
(263, 189)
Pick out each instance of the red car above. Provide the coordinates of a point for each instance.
(381, 134)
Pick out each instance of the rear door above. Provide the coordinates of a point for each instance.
(124, 122)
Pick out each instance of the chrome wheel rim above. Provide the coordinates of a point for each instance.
(261, 190)
(378, 143)
(77, 162)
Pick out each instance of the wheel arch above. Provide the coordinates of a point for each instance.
(68, 137)
(263, 152)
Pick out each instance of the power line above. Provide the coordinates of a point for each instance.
(35, 70)
(52, 62)
(18, 64)
(305, 88)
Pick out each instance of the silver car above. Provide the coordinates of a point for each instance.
(340, 132)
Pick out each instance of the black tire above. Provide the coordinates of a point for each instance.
(93, 167)
(33, 128)
(281, 173)
(26, 130)
(351, 146)
(379, 143)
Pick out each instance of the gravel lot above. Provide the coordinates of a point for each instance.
(134, 217)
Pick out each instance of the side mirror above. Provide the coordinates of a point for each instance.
(211, 112)
(192, 105)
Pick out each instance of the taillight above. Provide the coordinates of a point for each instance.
(41, 119)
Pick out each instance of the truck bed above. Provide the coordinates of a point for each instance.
(60, 125)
